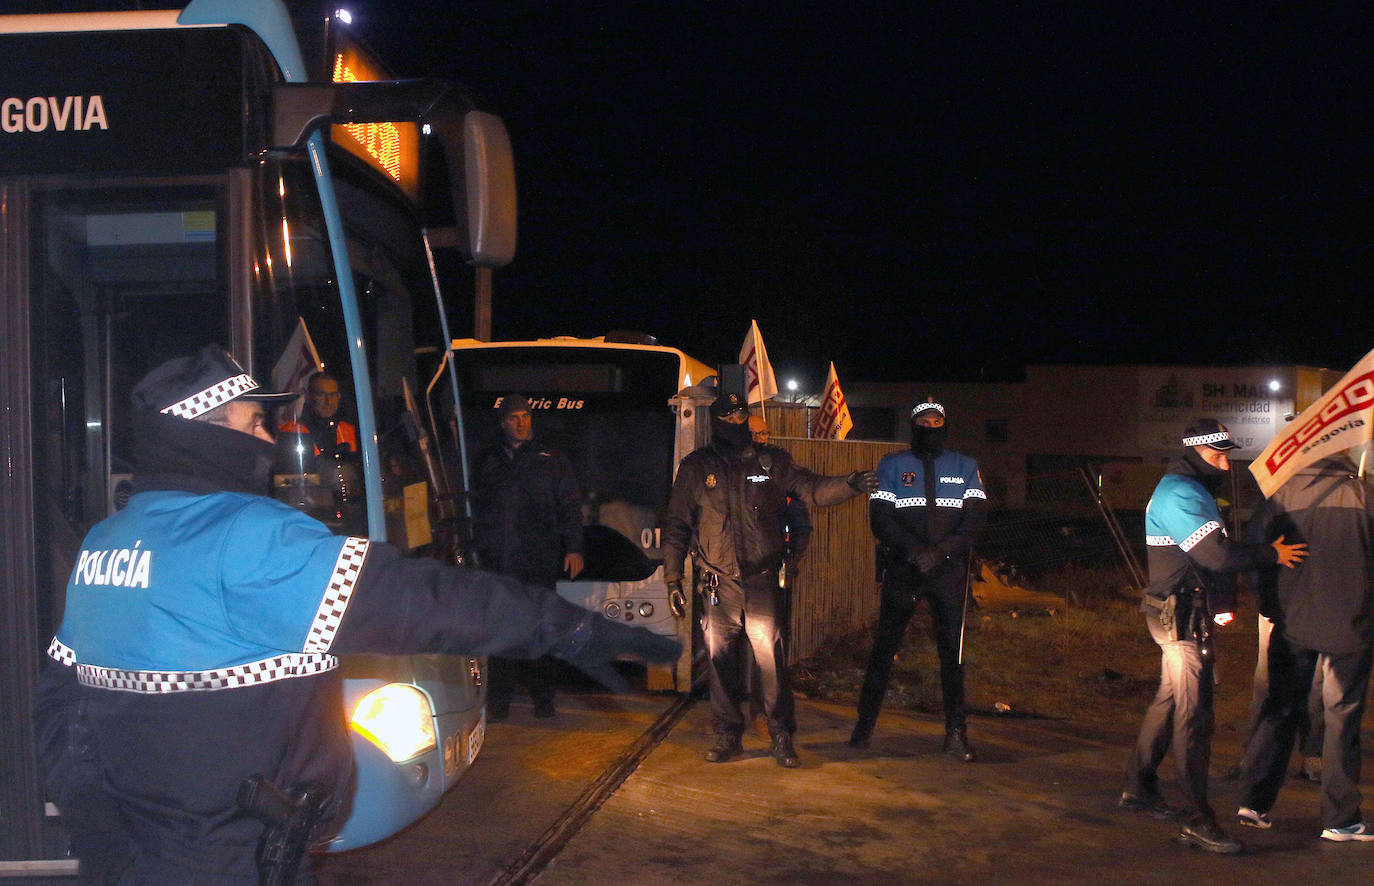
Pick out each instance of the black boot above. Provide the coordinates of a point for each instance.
(956, 745)
(784, 753)
(727, 746)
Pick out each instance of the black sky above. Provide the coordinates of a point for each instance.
(921, 191)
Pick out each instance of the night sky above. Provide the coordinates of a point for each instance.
(916, 192)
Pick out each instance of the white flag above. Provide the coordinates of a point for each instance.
(833, 421)
(759, 383)
(297, 361)
(1343, 418)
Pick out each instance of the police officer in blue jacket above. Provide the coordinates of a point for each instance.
(199, 643)
(927, 513)
(1190, 560)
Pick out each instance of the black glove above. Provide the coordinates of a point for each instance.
(925, 559)
(863, 481)
(677, 601)
(597, 641)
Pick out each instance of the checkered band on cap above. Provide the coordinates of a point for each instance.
(922, 407)
(216, 395)
(1207, 439)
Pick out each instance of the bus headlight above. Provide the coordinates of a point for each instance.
(397, 719)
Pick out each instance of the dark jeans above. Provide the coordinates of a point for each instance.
(902, 590)
(1345, 681)
(506, 675)
(750, 612)
(1310, 726)
(1179, 719)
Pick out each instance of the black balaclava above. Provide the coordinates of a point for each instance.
(196, 456)
(926, 441)
(1207, 474)
(735, 437)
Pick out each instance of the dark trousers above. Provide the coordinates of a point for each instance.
(1179, 719)
(751, 611)
(902, 590)
(1345, 681)
(506, 675)
(1310, 726)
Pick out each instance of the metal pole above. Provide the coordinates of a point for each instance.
(1113, 528)
(968, 590)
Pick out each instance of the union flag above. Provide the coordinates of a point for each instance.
(833, 421)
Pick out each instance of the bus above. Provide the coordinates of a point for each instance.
(224, 174)
(625, 410)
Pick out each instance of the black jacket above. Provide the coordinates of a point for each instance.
(1326, 602)
(727, 508)
(528, 512)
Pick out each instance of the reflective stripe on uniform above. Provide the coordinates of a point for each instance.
(1166, 541)
(269, 670)
(335, 602)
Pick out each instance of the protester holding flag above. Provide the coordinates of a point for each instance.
(1188, 555)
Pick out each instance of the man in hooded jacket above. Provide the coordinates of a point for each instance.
(198, 647)
(1190, 561)
(927, 513)
(725, 509)
(1323, 615)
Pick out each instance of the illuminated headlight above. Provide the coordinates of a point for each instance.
(397, 719)
(646, 610)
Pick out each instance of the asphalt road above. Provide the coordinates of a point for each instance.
(1038, 808)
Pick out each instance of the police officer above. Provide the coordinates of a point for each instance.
(529, 527)
(199, 641)
(725, 509)
(927, 513)
(1189, 557)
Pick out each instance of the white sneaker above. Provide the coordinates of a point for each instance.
(1357, 831)
(1254, 819)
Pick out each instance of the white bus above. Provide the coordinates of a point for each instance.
(625, 411)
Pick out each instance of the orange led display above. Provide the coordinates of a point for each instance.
(392, 148)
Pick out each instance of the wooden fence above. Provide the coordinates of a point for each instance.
(836, 592)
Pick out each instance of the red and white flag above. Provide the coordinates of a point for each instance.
(833, 421)
(759, 382)
(1342, 419)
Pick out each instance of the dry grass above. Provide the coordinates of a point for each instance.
(1094, 663)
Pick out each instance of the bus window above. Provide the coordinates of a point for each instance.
(125, 278)
(299, 335)
(607, 409)
(300, 329)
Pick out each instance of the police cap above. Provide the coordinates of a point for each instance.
(189, 387)
(1209, 432)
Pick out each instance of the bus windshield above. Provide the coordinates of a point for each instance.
(606, 409)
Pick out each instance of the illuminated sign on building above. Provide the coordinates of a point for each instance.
(392, 148)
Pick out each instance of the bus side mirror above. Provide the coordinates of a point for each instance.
(476, 146)
(481, 167)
